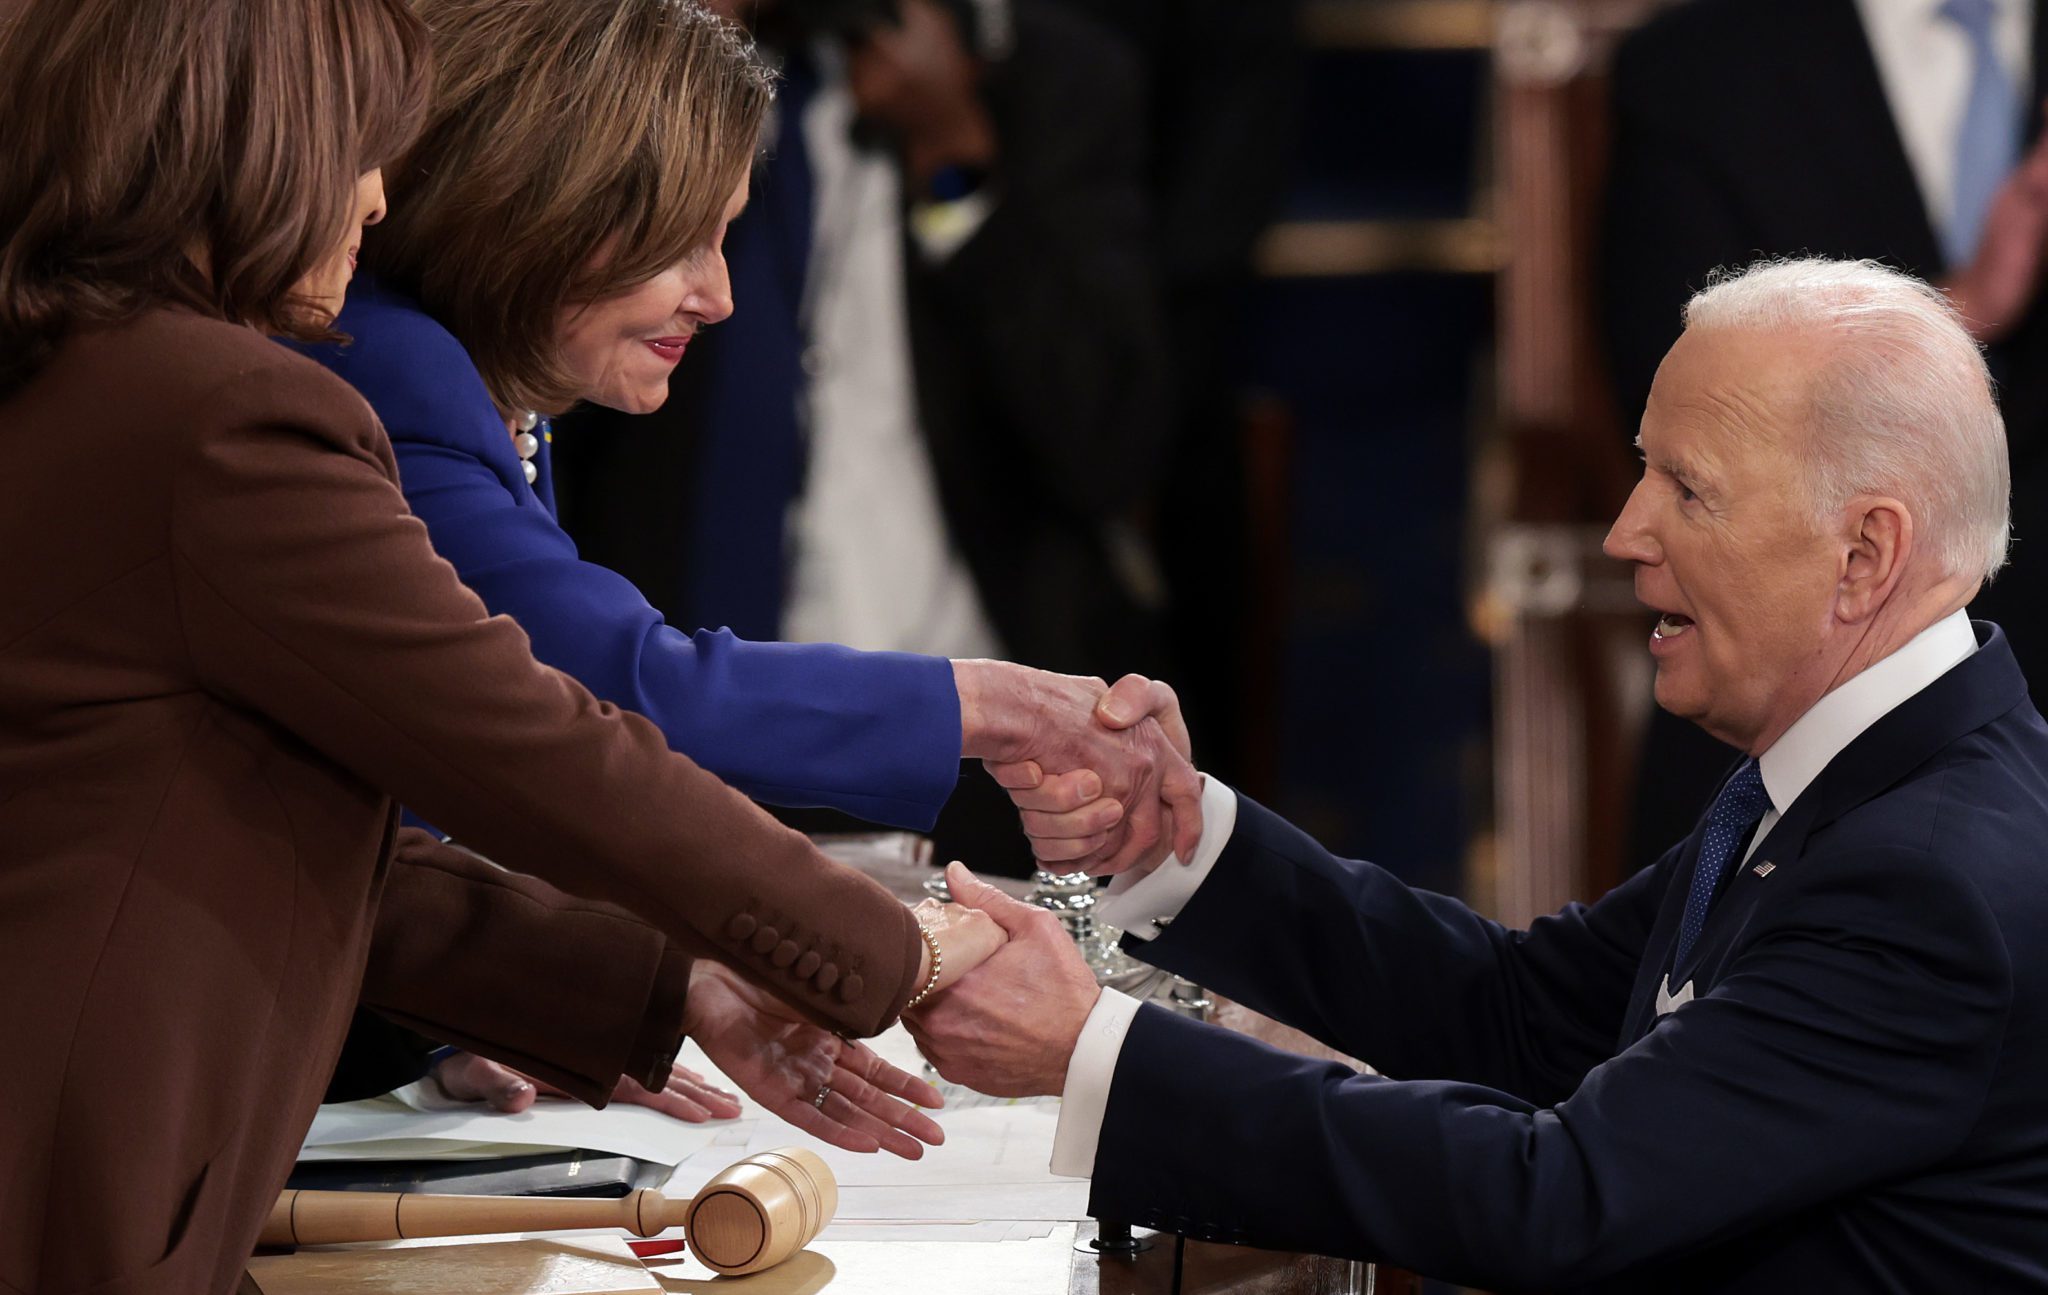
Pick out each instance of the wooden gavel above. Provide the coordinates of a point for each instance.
(751, 1216)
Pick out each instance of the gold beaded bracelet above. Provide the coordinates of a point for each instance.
(938, 962)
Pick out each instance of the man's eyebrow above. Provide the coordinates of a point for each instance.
(1670, 464)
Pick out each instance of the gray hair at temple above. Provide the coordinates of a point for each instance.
(1902, 407)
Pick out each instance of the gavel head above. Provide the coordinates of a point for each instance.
(761, 1211)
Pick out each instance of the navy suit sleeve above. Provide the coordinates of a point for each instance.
(876, 734)
(1352, 956)
(1852, 1041)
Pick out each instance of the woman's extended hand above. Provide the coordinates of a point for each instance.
(688, 1096)
(966, 939)
(784, 1062)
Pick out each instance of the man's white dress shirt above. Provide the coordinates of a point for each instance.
(1923, 62)
(1788, 768)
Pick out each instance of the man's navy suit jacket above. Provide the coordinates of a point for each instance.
(876, 734)
(1855, 1099)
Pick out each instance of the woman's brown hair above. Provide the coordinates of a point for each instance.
(201, 153)
(576, 148)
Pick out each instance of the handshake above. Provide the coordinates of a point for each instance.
(1101, 775)
(1112, 793)
(1102, 778)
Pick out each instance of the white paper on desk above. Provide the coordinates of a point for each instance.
(940, 1230)
(985, 1146)
(1061, 1200)
(895, 1047)
(993, 1169)
(552, 1123)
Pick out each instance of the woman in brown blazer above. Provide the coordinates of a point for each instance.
(225, 646)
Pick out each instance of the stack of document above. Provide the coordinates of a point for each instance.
(417, 1123)
(989, 1182)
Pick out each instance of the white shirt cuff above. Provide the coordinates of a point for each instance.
(1141, 905)
(1089, 1072)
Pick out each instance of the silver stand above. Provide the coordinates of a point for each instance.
(1071, 897)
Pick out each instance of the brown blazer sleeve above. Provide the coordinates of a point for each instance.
(307, 591)
(597, 991)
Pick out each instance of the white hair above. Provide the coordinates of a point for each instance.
(1902, 407)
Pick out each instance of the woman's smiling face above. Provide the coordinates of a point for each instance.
(619, 350)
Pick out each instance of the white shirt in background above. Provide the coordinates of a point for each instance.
(875, 566)
(1924, 63)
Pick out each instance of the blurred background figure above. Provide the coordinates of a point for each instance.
(1894, 129)
(922, 430)
(1223, 81)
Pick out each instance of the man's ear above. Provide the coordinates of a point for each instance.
(1879, 539)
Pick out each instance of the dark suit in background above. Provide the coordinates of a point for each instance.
(1850, 1100)
(1039, 373)
(1760, 127)
(1224, 81)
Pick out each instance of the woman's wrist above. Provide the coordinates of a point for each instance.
(931, 964)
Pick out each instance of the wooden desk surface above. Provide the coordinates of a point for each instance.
(1054, 1263)
(1208, 1269)
(1036, 1267)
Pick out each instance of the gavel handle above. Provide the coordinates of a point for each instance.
(320, 1218)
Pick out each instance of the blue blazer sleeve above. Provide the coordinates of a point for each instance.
(875, 734)
(1853, 1041)
(1375, 969)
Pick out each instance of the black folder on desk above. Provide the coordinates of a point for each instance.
(552, 1173)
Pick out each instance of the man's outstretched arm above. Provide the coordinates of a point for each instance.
(1819, 1066)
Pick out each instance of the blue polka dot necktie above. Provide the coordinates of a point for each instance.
(1741, 803)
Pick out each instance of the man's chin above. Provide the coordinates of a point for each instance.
(1674, 696)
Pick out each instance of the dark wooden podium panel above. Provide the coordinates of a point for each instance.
(1210, 1269)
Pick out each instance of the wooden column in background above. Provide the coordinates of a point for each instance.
(1555, 471)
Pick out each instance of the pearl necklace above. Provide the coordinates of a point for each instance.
(528, 444)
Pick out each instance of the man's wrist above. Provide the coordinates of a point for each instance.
(1143, 904)
(1084, 1086)
(1054, 1081)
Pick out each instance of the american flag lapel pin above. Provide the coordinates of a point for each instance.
(1765, 869)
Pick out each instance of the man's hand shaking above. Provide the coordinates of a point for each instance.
(1101, 775)
(1008, 1028)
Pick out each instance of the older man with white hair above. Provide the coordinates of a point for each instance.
(1806, 1051)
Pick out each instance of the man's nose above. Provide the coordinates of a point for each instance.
(1629, 539)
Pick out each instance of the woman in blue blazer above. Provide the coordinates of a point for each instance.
(876, 734)
(554, 238)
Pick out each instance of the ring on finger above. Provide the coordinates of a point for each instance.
(824, 1091)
